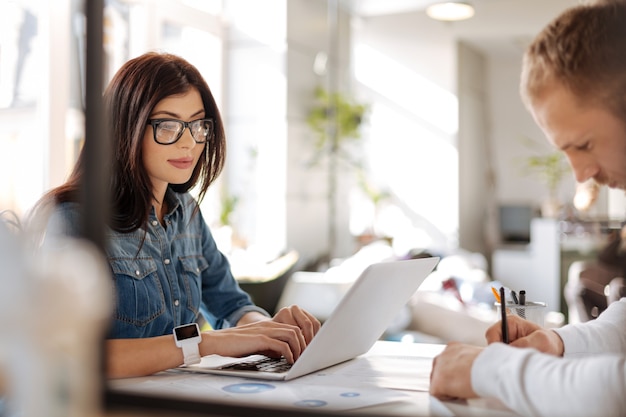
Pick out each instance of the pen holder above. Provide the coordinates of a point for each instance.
(532, 311)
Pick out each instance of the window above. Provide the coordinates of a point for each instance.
(412, 128)
(23, 125)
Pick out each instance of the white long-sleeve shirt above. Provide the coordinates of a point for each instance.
(589, 380)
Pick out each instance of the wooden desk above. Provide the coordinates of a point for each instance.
(393, 366)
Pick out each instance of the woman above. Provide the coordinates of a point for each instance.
(167, 137)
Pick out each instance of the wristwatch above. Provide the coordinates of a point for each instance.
(187, 338)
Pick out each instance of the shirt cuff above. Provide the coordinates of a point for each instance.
(498, 370)
(486, 369)
(571, 340)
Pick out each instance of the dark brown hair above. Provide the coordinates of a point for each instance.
(129, 99)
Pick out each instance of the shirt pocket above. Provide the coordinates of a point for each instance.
(192, 267)
(140, 297)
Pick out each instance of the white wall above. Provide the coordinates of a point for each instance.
(511, 122)
(476, 191)
(414, 120)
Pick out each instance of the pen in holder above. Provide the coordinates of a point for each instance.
(531, 310)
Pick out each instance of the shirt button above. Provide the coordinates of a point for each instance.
(154, 222)
(137, 273)
(167, 262)
(176, 302)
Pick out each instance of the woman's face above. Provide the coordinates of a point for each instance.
(591, 136)
(173, 164)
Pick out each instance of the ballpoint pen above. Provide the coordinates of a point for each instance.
(505, 326)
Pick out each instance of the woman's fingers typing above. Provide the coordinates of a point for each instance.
(267, 337)
(296, 316)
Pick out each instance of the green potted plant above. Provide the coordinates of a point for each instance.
(336, 121)
(377, 196)
(229, 203)
(550, 168)
(223, 232)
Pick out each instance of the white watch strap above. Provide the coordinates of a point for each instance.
(191, 352)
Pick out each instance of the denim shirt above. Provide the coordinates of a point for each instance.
(168, 275)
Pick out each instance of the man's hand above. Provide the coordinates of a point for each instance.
(451, 374)
(523, 333)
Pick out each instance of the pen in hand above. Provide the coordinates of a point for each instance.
(505, 326)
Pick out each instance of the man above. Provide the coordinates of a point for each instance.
(574, 85)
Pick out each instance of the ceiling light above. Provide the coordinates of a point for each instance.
(450, 11)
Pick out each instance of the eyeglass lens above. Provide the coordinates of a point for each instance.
(169, 131)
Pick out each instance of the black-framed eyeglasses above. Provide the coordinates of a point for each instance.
(168, 131)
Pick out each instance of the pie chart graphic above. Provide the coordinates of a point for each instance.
(310, 403)
(248, 388)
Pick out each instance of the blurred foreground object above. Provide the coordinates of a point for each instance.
(54, 310)
(586, 195)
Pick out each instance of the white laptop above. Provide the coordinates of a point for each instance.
(360, 318)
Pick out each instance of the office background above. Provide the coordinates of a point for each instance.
(442, 146)
(442, 143)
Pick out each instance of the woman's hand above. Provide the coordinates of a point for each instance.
(266, 337)
(296, 316)
(286, 334)
(256, 334)
(524, 333)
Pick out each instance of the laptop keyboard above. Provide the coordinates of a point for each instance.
(264, 364)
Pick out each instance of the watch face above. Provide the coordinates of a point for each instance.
(186, 332)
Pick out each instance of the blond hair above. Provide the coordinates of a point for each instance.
(583, 50)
